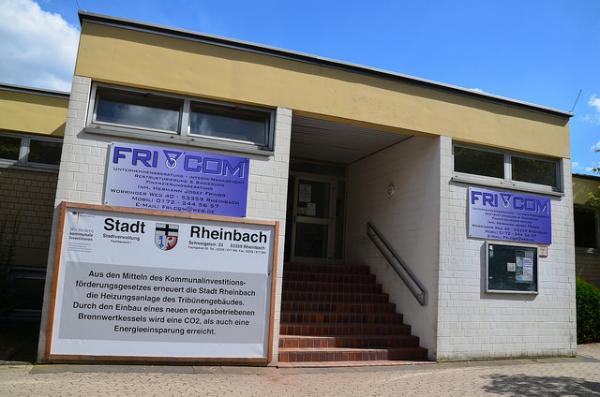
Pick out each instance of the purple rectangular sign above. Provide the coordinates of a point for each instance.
(509, 216)
(168, 179)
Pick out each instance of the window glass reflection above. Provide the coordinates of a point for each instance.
(223, 122)
(534, 171)
(138, 110)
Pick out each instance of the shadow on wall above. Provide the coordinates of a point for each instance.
(538, 386)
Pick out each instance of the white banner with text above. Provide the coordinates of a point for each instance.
(153, 286)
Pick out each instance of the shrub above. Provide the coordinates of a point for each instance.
(588, 312)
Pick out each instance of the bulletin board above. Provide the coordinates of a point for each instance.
(511, 269)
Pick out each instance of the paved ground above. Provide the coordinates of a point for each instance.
(548, 377)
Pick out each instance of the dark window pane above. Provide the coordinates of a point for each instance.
(311, 240)
(229, 123)
(138, 110)
(478, 162)
(534, 171)
(585, 227)
(44, 152)
(9, 148)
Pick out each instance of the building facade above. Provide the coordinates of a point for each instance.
(32, 124)
(587, 258)
(371, 177)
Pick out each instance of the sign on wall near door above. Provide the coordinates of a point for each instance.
(168, 179)
(509, 216)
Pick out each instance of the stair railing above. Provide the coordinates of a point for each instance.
(402, 270)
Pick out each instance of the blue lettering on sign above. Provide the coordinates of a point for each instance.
(169, 179)
(503, 215)
(510, 200)
(191, 162)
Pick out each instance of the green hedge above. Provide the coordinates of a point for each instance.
(588, 312)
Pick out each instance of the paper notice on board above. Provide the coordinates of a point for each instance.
(519, 267)
(304, 193)
(511, 267)
(528, 266)
(311, 209)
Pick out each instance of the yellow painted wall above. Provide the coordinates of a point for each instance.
(581, 188)
(33, 113)
(120, 56)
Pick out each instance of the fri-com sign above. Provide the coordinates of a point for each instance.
(509, 216)
(168, 179)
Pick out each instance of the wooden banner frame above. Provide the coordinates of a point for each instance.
(63, 358)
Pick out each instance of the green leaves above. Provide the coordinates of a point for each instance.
(588, 312)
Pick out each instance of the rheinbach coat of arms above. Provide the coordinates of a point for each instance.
(165, 237)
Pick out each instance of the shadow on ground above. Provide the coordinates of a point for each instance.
(538, 386)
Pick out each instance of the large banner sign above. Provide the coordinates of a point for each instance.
(142, 285)
(509, 216)
(162, 178)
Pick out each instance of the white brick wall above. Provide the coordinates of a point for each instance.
(409, 220)
(473, 324)
(83, 163)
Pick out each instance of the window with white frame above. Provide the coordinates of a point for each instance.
(516, 169)
(30, 151)
(157, 116)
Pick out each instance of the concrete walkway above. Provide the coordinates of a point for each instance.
(544, 377)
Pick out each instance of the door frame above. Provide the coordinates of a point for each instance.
(330, 220)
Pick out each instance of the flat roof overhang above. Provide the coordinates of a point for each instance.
(33, 110)
(307, 58)
(130, 53)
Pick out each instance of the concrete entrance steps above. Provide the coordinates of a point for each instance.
(337, 315)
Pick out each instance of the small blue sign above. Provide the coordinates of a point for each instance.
(509, 216)
(164, 178)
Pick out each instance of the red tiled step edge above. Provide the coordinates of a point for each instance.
(330, 277)
(325, 317)
(350, 341)
(291, 285)
(317, 267)
(332, 364)
(338, 329)
(346, 354)
(325, 297)
(335, 307)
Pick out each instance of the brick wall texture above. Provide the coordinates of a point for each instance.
(27, 196)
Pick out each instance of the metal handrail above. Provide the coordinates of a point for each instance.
(402, 270)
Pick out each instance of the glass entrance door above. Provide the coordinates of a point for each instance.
(314, 218)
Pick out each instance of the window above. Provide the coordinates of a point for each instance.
(137, 110)
(585, 227)
(9, 147)
(515, 170)
(472, 161)
(44, 152)
(30, 151)
(534, 171)
(229, 123)
(152, 116)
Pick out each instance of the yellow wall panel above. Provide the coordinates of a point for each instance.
(132, 58)
(33, 113)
